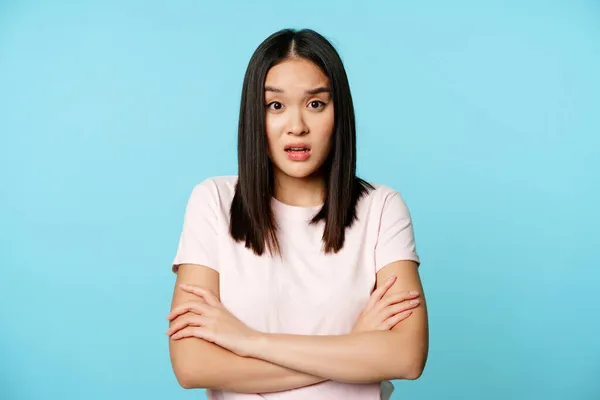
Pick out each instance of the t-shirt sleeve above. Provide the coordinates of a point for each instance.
(396, 239)
(198, 239)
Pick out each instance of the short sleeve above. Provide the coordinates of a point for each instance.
(198, 239)
(396, 240)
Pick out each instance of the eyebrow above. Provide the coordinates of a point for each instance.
(320, 89)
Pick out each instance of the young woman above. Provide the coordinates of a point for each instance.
(295, 278)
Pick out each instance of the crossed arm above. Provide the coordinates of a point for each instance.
(282, 362)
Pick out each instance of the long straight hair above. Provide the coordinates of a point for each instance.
(252, 219)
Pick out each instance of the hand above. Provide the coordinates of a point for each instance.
(383, 314)
(210, 320)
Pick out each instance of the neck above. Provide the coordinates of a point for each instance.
(299, 192)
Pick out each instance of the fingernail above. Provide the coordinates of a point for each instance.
(413, 292)
(415, 301)
(391, 278)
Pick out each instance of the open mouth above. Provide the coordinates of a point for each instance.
(297, 147)
(297, 151)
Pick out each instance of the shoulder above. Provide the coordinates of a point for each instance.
(216, 188)
(213, 195)
(382, 190)
(381, 196)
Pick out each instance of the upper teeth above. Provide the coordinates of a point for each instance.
(297, 148)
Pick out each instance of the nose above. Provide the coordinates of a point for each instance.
(296, 124)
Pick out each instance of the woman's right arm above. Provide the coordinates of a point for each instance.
(200, 364)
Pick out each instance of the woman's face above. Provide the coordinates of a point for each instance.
(299, 117)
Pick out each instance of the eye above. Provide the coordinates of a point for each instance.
(275, 105)
(316, 104)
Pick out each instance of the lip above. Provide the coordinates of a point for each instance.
(297, 145)
(301, 155)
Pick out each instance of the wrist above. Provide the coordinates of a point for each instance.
(258, 344)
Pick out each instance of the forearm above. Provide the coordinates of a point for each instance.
(354, 358)
(199, 364)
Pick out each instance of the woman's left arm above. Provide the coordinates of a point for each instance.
(400, 353)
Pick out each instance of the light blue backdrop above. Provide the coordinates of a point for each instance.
(484, 115)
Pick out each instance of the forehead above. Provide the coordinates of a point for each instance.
(296, 74)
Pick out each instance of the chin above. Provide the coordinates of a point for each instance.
(300, 171)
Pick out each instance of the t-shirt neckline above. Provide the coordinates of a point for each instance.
(281, 209)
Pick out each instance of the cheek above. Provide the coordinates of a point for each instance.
(327, 122)
(325, 131)
(274, 124)
(271, 130)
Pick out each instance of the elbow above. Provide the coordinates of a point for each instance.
(412, 368)
(187, 381)
(413, 373)
(189, 376)
(192, 376)
(194, 366)
(190, 381)
(186, 384)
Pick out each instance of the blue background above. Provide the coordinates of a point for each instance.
(484, 115)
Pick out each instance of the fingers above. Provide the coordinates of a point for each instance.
(394, 313)
(192, 331)
(391, 322)
(186, 320)
(397, 308)
(378, 294)
(190, 306)
(206, 294)
(398, 298)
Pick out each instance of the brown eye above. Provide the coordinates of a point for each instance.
(275, 106)
(316, 104)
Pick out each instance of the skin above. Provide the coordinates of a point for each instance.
(294, 115)
(385, 343)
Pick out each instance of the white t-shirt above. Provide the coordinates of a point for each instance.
(305, 291)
